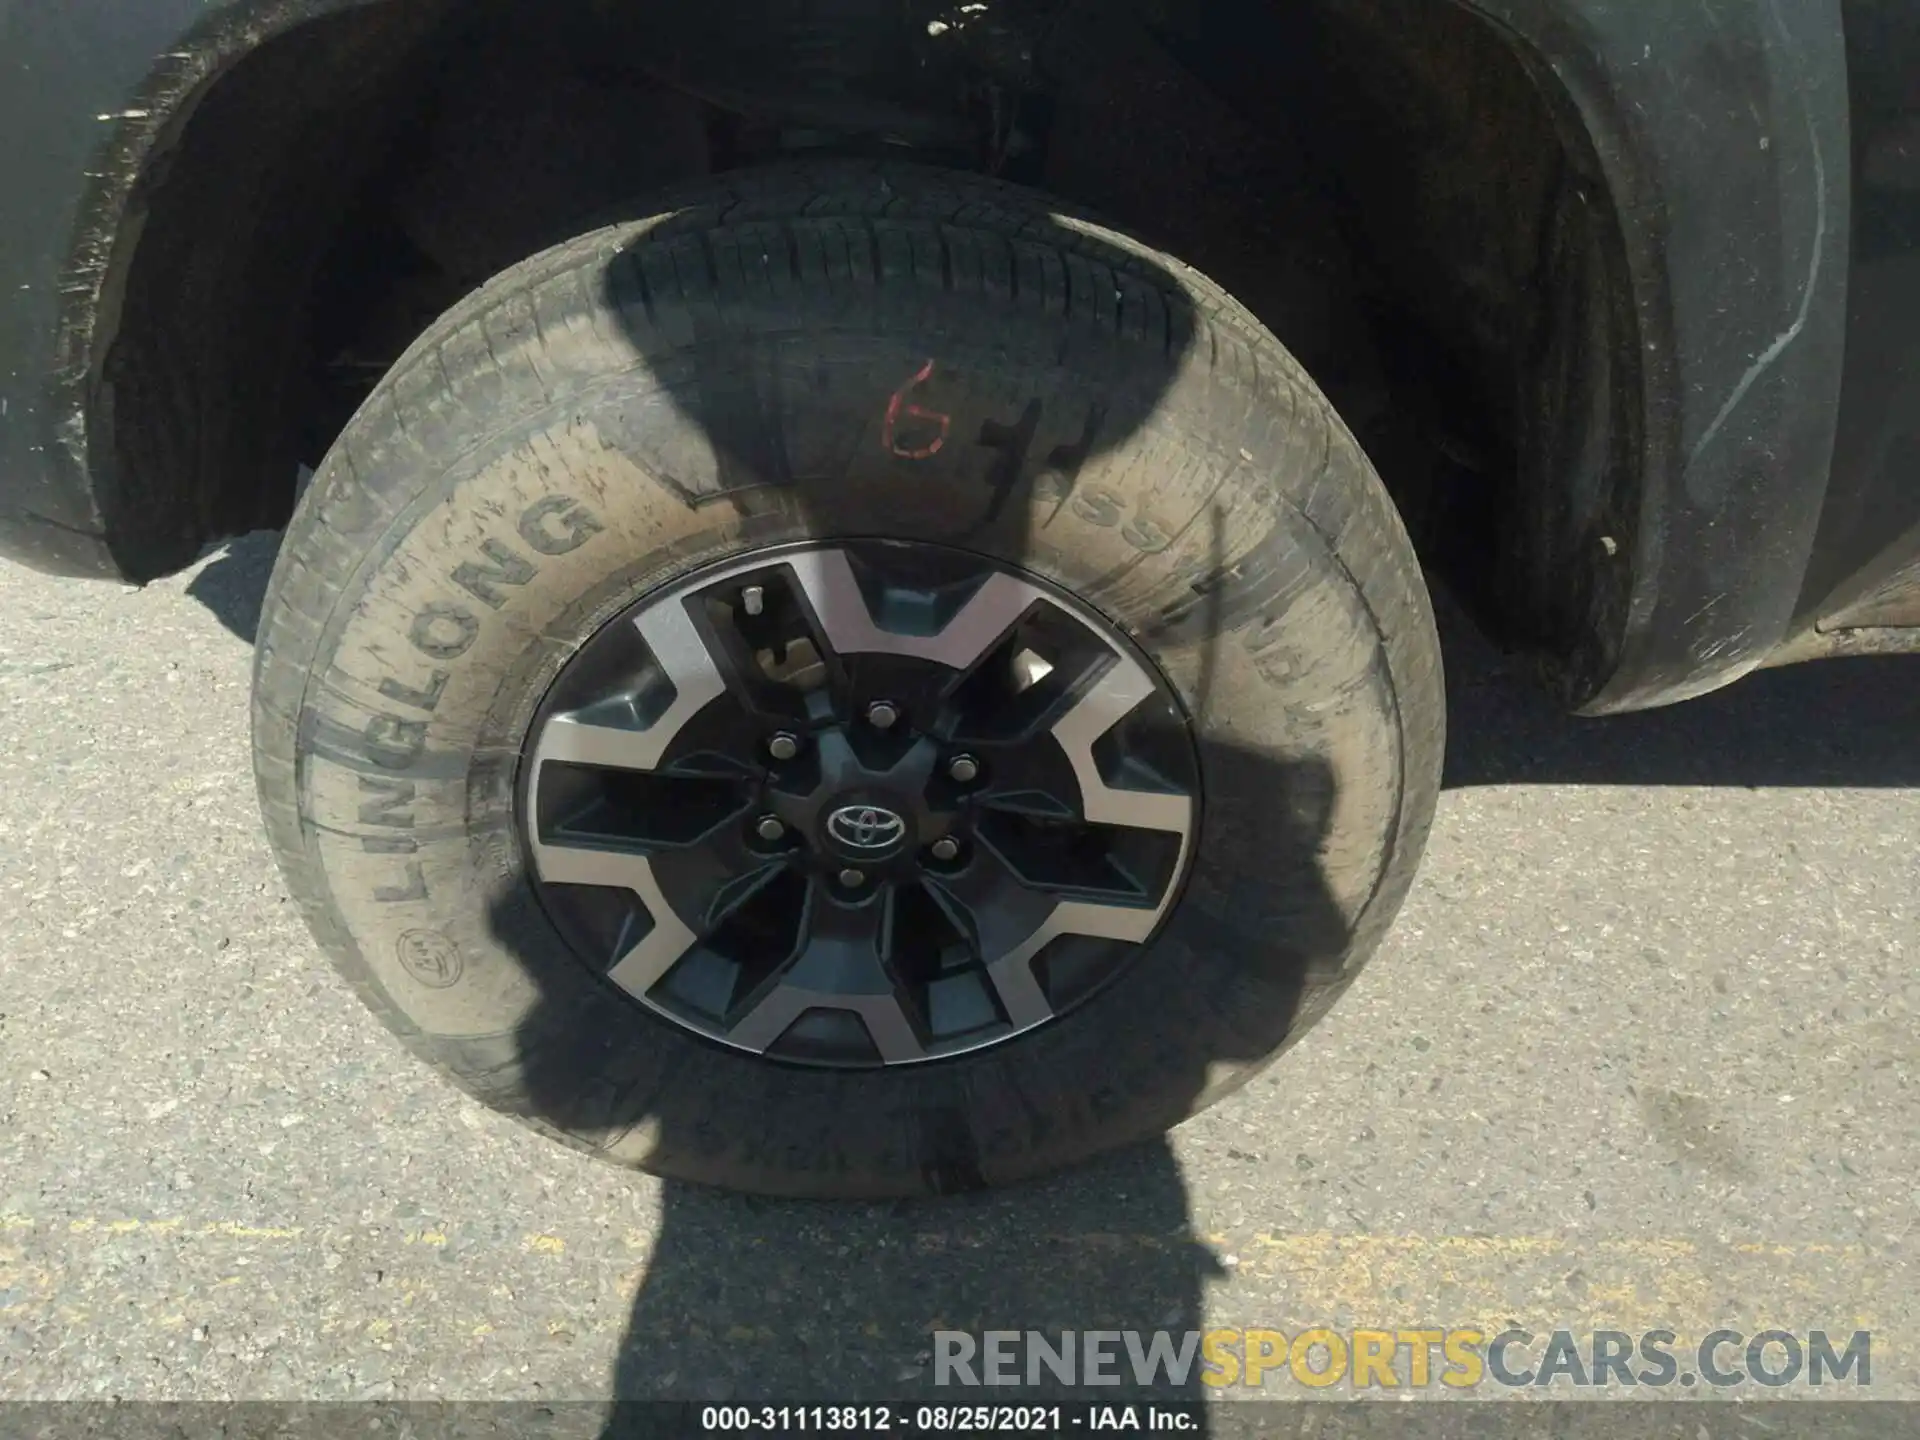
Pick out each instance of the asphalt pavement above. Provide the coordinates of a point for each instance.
(1641, 1054)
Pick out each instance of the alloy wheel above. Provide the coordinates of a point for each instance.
(859, 804)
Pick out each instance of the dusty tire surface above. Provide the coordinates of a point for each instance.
(843, 352)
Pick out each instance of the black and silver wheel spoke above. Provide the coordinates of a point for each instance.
(633, 729)
(862, 804)
(957, 640)
(1033, 883)
(1111, 700)
(640, 967)
(843, 967)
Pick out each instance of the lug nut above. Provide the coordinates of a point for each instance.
(784, 746)
(770, 828)
(853, 879)
(964, 768)
(947, 848)
(883, 715)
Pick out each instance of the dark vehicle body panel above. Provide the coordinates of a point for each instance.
(1868, 543)
(1762, 158)
(69, 75)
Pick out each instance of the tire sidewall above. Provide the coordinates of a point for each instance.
(533, 495)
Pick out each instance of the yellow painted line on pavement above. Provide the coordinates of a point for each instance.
(231, 1231)
(1623, 1282)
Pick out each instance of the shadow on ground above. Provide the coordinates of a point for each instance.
(755, 1298)
(749, 1299)
(1845, 724)
(232, 582)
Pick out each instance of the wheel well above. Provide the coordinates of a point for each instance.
(1390, 184)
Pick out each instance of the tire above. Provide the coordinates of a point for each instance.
(821, 353)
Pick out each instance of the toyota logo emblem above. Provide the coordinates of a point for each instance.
(866, 828)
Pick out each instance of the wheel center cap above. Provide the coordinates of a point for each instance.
(864, 831)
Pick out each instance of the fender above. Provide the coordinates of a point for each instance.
(96, 90)
(1722, 131)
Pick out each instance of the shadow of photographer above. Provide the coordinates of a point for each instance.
(828, 357)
